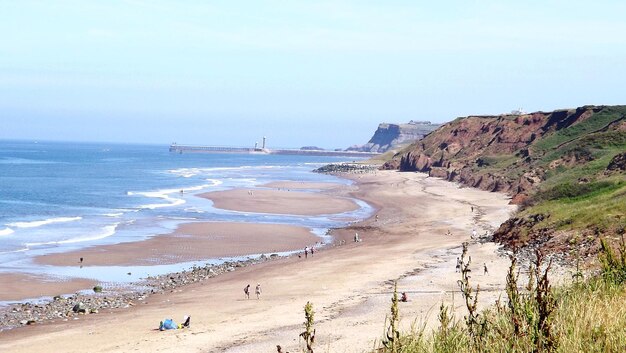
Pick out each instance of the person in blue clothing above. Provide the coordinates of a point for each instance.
(169, 324)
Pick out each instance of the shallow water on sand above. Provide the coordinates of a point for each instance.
(57, 197)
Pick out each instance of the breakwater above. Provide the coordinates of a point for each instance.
(176, 148)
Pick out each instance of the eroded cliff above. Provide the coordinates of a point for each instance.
(508, 153)
(565, 168)
(388, 136)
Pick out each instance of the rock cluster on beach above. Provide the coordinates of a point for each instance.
(346, 168)
(65, 308)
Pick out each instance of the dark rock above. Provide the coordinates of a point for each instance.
(618, 163)
(80, 308)
(345, 168)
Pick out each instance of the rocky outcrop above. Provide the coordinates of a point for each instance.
(504, 153)
(617, 164)
(388, 136)
(346, 168)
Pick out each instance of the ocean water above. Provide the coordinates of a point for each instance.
(57, 197)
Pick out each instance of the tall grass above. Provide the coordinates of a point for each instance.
(585, 316)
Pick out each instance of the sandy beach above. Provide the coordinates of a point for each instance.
(349, 285)
(283, 201)
(192, 242)
(17, 286)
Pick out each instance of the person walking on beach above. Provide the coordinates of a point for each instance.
(312, 251)
(258, 290)
(458, 265)
(246, 291)
(485, 271)
(306, 252)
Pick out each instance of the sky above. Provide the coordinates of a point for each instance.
(302, 73)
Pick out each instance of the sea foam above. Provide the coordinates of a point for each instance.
(161, 194)
(44, 222)
(107, 231)
(6, 231)
(165, 195)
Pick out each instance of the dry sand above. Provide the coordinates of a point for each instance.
(349, 285)
(280, 202)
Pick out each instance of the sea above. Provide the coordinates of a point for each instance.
(63, 196)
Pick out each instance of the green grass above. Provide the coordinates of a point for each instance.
(590, 170)
(574, 192)
(595, 146)
(600, 206)
(571, 133)
(498, 161)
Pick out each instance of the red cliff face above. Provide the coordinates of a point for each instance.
(489, 152)
(547, 162)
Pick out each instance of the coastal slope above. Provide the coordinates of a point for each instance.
(565, 168)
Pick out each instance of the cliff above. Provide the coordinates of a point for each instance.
(388, 136)
(564, 168)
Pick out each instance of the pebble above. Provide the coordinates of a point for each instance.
(22, 314)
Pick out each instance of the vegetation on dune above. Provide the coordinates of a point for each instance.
(584, 316)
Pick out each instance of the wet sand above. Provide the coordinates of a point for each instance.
(349, 285)
(16, 286)
(280, 201)
(191, 242)
(295, 185)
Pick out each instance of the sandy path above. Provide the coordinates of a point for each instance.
(349, 285)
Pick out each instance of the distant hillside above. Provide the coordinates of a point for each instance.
(391, 135)
(566, 168)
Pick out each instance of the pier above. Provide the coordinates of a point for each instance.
(212, 149)
(176, 148)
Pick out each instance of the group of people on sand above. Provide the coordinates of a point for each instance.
(169, 324)
(459, 264)
(257, 290)
(308, 250)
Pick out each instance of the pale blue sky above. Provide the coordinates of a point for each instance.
(301, 72)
